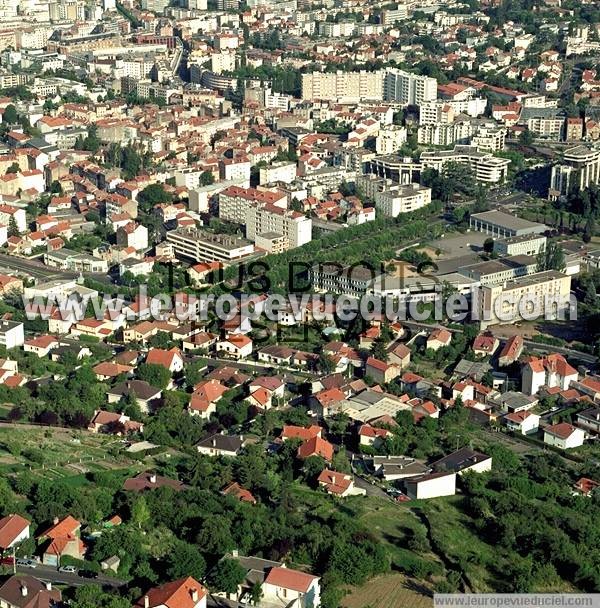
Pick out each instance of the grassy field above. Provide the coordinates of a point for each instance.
(390, 591)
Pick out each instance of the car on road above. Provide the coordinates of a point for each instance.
(26, 563)
(68, 569)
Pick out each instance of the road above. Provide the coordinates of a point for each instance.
(51, 574)
(35, 268)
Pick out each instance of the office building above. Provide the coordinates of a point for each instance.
(501, 225)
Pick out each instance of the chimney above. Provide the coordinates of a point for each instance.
(146, 601)
(214, 442)
(24, 590)
(194, 594)
(48, 586)
(153, 478)
(55, 520)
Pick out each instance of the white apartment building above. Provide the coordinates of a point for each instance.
(277, 101)
(407, 88)
(580, 169)
(402, 199)
(486, 168)
(200, 246)
(535, 295)
(445, 134)
(268, 219)
(223, 62)
(12, 334)
(278, 172)
(547, 127)
(235, 168)
(489, 138)
(333, 86)
(234, 201)
(390, 139)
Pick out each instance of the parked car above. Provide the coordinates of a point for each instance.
(68, 569)
(26, 563)
(9, 561)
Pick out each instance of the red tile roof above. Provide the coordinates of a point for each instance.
(10, 528)
(316, 447)
(290, 579)
(177, 594)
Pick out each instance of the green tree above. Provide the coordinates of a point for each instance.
(153, 194)
(227, 575)
(153, 374)
(207, 178)
(552, 258)
(140, 514)
(10, 116)
(13, 230)
(185, 560)
(526, 137)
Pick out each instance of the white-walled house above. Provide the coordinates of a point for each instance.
(238, 346)
(552, 370)
(285, 585)
(523, 422)
(431, 485)
(564, 436)
(13, 530)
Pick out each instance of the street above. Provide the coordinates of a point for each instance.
(51, 574)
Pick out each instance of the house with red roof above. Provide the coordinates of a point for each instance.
(372, 436)
(585, 486)
(511, 351)
(338, 484)
(62, 538)
(564, 436)
(380, 371)
(182, 593)
(550, 371)
(522, 422)
(236, 346)
(316, 446)
(169, 359)
(235, 489)
(485, 345)
(438, 338)
(203, 401)
(13, 530)
(283, 585)
(40, 345)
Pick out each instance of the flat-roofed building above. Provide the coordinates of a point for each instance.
(500, 224)
(485, 167)
(523, 244)
(579, 169)
(202, 246)
(349, 280)
(494, 272)
(543, 294)
(402, 199)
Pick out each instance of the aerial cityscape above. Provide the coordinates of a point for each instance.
(299, 303)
